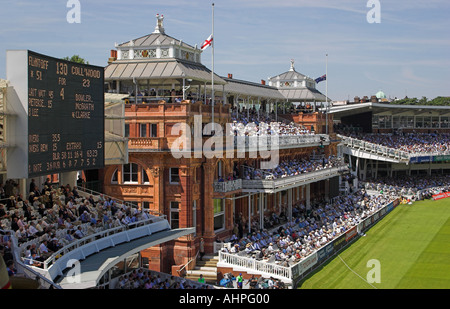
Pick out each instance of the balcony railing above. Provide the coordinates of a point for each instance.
(147, 143)
(255, 265)
(279, 142)
(227, 186)
(240, 143)
(394, 153)
(375, 148)
(272, 184)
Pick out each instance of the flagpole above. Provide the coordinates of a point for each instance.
(212, 72)
(326, 92)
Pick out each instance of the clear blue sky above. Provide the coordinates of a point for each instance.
(408, 52)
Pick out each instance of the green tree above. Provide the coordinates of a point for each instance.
(77, 59)
(440, 101)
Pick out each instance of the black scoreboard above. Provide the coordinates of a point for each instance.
(66, 130)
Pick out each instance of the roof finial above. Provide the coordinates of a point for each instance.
(292, 65)
(159, 24)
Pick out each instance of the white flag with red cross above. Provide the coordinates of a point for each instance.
(207, 42)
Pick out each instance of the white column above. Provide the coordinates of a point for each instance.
(249, 212)
(261, 211)
(289, 214)
(308, 196)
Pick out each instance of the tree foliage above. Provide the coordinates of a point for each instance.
(438, 101)
(77, 59)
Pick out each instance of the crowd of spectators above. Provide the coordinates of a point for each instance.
(251, 123)
(51, 218)
(408, 142)
(293, 167)
(309, 230)
(413, 187)
(139, 279)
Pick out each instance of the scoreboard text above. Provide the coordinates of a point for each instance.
(65, 116)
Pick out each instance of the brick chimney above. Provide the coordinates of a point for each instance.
(113, 56)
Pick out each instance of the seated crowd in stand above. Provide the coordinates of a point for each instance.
(147, 279)
(54, 217)
(252, 123)
(411, 186)
(287, 244)
(293, 167)
(408, 142)
(309, 230)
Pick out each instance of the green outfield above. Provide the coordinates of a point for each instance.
(412, 245)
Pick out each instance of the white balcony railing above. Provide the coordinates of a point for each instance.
(275, 142)
(255, 265)
(272, 184)
(375, 148)
(227, 186)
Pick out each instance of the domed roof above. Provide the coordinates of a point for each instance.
(380, 95)
(290, 75)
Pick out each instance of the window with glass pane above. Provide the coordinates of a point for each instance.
(410, 120)
(435, 122)
(381, 122)
(444, 122)
(427, 122)
(174, 205)
(145, 176)
(219, 213)
(403, 122)
(218, 205)
(419, 122)
(374, 121)
(114, 178)
(174, 175)
(153, 130)
(396, 122)
(388, 120)
(174, 215)
(219, 222)
(143, 130)
(130, 173)
(127, 130)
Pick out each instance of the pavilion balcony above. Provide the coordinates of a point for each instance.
(375, 149)
(161, 109)
(252, 143)
(275, 185)
(147, 144)
(227, 186)
(234, 143)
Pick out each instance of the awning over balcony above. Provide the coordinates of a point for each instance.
(249, 89)
(303, 95)
(159, 69)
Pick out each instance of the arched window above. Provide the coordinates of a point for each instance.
(114, 178)
(145, 179)
(130, 173)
